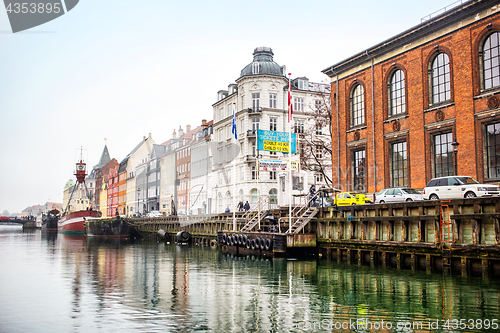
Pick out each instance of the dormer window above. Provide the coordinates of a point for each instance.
(302, 84)
(255, 68)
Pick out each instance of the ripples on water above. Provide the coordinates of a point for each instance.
(60, 283)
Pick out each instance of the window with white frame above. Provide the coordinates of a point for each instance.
(255, 101)
(221, 113)
(298, 104)
(318, 176)
(273, 124)
(298, 126)
(272, 100)
(440, 79)
(318, 106)
(254, 173)
(255, 68)
(319, 151)
(491, 61)
(397, 93)
(255, 123)
(357, 104)
(319, 129)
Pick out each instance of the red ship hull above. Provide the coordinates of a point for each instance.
(74, 223)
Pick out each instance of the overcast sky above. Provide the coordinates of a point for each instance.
(118, 70)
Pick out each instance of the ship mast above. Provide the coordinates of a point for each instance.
(80, 173)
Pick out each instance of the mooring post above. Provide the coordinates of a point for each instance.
(464, 264)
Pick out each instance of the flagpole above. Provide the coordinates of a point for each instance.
(235, 136)
(290, 112)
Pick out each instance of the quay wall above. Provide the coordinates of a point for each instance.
(458, 235)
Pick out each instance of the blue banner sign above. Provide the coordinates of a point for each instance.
(275, 141)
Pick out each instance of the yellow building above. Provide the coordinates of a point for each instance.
(103, 199)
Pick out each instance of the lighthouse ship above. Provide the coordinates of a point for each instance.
(73, 218)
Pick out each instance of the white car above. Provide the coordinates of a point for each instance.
(458, 187)
(154, 213)
(398, 194)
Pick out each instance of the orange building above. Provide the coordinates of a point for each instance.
(422, 104)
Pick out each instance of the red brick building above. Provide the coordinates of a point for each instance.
(398, 106)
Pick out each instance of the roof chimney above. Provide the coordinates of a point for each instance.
(203, 122)
(174, 135)
(181, 131)
(188, 128)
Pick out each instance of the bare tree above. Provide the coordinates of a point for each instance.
(315, 144)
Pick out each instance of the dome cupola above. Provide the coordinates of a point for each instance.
(263, 63)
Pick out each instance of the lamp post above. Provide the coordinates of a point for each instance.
(455, 145)
(138, 198)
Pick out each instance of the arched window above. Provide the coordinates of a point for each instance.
(357, 106)
(491, 61)
(254, 195)
(228, 200)
(255, 68)
(397, 104)
(221, 209)
(440, 79)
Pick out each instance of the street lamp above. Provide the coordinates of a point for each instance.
(138, 199)
(455, 145)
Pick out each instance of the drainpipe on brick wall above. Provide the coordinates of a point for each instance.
(338, 127)
(373, 133)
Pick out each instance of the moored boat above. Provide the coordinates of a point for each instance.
(50, 220)
(75, 222)
(111, 227)
(73, 218)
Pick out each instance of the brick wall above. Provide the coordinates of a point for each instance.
(465, 114)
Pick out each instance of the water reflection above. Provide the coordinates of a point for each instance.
(111, 285)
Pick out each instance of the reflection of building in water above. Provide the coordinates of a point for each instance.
(178, 288)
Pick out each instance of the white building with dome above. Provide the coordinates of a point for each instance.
(259, 98)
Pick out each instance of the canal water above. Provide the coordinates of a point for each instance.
(60, 283)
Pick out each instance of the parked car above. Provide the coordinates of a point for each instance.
(155, 213)
(398, 194)
(458, 187)
(351, 198)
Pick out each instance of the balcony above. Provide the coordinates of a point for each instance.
(251, 133)
(250, 158)
(255, 110)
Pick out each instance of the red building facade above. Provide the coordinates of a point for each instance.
(112, 192)
(400, 108)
